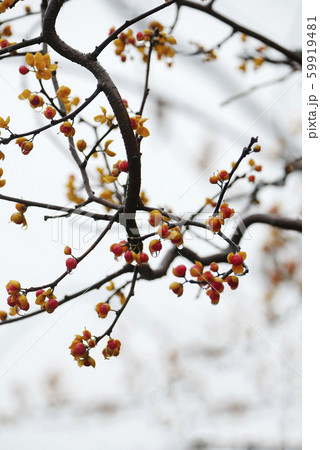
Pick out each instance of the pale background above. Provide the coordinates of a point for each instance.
(189, 375)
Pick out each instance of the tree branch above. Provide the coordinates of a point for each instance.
(291, 55)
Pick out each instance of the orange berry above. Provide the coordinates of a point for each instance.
(196, 270)
(214, 267)
(155, 218)
(215, 224)
(21, 207)
(223, 175)
(49, 112)
(67, 250)
(214, 179)
(81, 145)
(164, 231)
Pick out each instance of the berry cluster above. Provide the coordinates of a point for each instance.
(41, 65)
(80, 348)
(216, 221)
(16, 300)
(25, 145)
(112, 348)
(46, 300)
(161, 42)
(211, 280)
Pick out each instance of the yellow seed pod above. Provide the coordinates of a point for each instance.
(110, 287)
(17, 218)
(48, 292)
(12, 310)
(29, 59)
(109, 179)
(22, 301)
(122, 297)
(20, 140)
(27, 146)
(21, 207)
(171, 40)
(24, 94)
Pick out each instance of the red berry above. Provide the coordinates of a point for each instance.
(128, 256)
(214, 297)
(140, 36)
(214, 267)
(71, 263)
(86, 335)
(155, 245)
(233, 282)
(49, 112)
(116, 249)
(179, 271)
(39, 292)
(112, 344)
(13, 288)
(23, 70)
(51, 305)
(208, 277)
(79, 349)
(4, 43)
(142, 258)
(104, 309)
(35, 100)
(123, 166)
(134, 124)
(217, 286)
(236, 260)
(11, 300)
